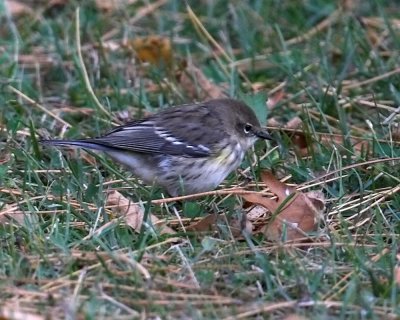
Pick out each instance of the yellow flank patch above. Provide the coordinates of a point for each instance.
(224, 154)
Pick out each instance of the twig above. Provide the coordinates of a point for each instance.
(372, 80)
(318, 28)
(352, 166)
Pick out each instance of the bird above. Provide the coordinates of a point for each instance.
(185, 149)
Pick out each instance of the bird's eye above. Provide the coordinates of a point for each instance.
(247, 128)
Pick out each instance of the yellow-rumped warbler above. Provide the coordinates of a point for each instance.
(184, 149)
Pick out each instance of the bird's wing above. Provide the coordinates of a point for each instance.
(176, 131)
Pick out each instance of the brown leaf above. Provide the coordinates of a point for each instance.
(196, 85)
(133, 214)
(298, 212)
(17, 8)
(210, 223)
(8, 212)
(274, 99)
(57, 3)
(107, 5)
(153, 49)
(294, 123)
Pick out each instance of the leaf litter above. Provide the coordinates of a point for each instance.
(294, 213)
(287, 215)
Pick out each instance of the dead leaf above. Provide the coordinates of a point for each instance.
(7, 211)
(210, 224)
(17, 8)
(133, 214)
(205, 224)
(107, 5)
(196, 85)
(298, 212)
(153, 49)
(294, 123)
(241, 225)
(274, 99)
(56, 3)
(256, 212)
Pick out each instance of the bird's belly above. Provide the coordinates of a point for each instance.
(179, 175)
(188, 175)
(140, 165)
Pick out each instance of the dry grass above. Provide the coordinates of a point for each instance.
(331, 75)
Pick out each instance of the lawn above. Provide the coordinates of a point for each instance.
(82, 238)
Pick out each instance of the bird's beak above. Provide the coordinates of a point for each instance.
(263, 134)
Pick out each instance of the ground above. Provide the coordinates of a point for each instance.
(322, 75)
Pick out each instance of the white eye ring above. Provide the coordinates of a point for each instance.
(247, 128)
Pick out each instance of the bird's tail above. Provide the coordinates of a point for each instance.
(85, 143)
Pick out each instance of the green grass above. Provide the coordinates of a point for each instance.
(63, 254)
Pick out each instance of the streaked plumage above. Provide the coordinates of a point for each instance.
(185, 149)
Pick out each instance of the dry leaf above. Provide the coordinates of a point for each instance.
(17, 8)
(256, 212)
(196, 85)
(56, 4)
(11, 214)
(210, 223)
(133, 214)
(7, 211)
(107, 5)
(274, 99)
(238, 226)
(298, 213)
(153, 49)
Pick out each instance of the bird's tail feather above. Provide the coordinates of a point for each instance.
(88, 144)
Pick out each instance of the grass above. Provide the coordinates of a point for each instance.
(64, 253)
